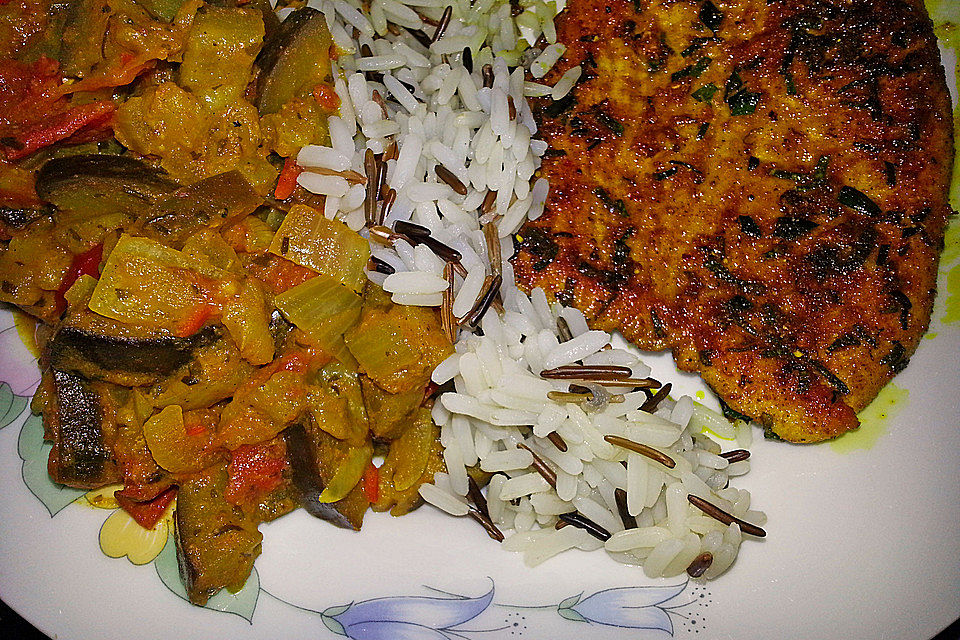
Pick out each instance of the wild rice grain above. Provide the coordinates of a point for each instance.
(719, 514)
(642, 449)
(371, 167)
(557, 441)
(491, 286)
(582, 522)
(443, 24)
(651, 405)
(736, 455)
(487, 74)
(447, 321)
(452, 180)
(700, 564)
(540, 466)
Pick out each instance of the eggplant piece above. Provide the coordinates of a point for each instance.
(271, 23)
(279, 329)
(294, 60)
(80, 423)
(389, 414)
(210, 203)
(302, 456)
(213, 374)
(218, 54)
(11, 218)
(97, 184)
(216, 542)
(106, 350)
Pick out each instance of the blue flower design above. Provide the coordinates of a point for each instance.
(404, 618)
(630, 607)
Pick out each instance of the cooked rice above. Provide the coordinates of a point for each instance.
(467, 113)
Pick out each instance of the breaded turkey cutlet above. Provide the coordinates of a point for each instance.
(758, 185)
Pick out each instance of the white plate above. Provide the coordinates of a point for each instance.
(863, 542)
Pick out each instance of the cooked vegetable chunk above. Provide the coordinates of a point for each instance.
(90, 183)
(412, 460)
(329, 247)
(210, 203)
(80, 423)
(323, 309)
(221, 38)
(294, 61)
(216, 542)
(213, 374)
(302, 454)
(103, 349)
(152, 285)
(397, 346)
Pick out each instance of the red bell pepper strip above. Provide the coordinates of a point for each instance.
(148, 513)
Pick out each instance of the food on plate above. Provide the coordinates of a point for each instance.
(759, 187)
(207, 334)
(272, 254)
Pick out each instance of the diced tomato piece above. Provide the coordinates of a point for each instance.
(287, 181)
(196, 319)
(255, 470)
(59, 127)
(280, 274)
(326, 97)
(371, 483)
(146, 513)
(85, 264)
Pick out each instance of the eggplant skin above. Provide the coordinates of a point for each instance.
(306, 477)
(81, 456)
(99, 355)
(132, 176)
(20, 218)
(275, 45)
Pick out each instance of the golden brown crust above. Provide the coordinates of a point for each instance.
(760, 187)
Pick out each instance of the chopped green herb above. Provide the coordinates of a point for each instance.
(666, 173)
(792, 227)
(749, 226)
(539, 243)
(731, 414)
(711, 16)
(559, 106)
(890, 170)
(858, 201)
(702, 131)
(609, 122)
(734, 84)
(820, 169)
(696, 45)
(658, 328)
(692, 71)
(753, 163)
(616, 206)
(897, 359)
(705, 93)
(834, 381)
(791, 85)
(743, 102)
